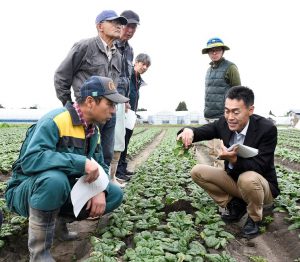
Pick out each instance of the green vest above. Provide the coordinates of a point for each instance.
(215, 90)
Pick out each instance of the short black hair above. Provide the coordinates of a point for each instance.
(143, 58)
(80, 100)
(241, 93)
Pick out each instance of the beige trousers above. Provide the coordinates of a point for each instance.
(251, 187)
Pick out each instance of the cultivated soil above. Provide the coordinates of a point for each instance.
(277, 244)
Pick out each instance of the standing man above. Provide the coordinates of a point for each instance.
(221, 75)
(141, 65)
(93, 56)
(126, 51)
(246, 184)
(56, 152)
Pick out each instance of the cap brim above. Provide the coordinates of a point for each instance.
(121, 19)
(117, 98)
(205, 50)
(133, 21)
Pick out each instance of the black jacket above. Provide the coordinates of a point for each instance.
(261, 134)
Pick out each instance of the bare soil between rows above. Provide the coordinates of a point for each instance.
(277, 244)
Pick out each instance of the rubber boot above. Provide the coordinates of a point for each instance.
(113, 169)
(62, 232)
(40, 234)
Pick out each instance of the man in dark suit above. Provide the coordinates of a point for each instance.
(246, 184)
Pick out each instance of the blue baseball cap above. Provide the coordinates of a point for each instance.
(96, 86)
(109, 15)
(214, 42)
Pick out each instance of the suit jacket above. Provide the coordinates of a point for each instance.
(261, 134)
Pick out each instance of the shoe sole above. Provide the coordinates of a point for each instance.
(250, 236)
(122, 180)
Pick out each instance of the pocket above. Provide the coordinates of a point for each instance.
(95, 67)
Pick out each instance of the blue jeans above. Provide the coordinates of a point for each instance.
(107, 132)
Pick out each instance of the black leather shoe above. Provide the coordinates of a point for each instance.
(251, 228)
(128, 173)
(122, 177)
(236, 209)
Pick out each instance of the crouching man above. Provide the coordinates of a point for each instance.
(246, 184)
(57, 150)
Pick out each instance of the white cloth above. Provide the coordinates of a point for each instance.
(120, 128)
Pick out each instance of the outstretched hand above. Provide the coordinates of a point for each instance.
(187, 136)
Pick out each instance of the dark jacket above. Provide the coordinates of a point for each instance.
(136, 82)
(261, 134)
(126, 52)
(219, 78)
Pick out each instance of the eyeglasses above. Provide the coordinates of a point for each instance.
(215, 50)
(114, 22)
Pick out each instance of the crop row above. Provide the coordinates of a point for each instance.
(139, 141)
(164, 216)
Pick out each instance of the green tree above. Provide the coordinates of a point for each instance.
(181, 107)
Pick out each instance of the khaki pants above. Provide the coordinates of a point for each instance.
(251, 187)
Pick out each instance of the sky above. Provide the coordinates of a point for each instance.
(262, 35)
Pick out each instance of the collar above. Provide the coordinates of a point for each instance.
(89, 128)
(121, 44)
(106, 47)
(217, 63)
(244, 131)
(74, 116)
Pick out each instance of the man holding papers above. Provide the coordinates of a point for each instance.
(246, 184)
(58, 150)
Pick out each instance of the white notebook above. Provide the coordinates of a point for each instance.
(82, 191)
(244, 151)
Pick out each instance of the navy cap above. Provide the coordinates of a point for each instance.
(132, 17)
(96, 86)
(109, 15)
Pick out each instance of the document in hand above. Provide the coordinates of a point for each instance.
(82, 191)
(244, 151)
(130, 118)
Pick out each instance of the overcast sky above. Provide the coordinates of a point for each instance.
(263, 37)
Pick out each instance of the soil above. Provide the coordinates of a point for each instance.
(277, 244)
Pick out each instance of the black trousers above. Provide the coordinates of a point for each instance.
(122, 165)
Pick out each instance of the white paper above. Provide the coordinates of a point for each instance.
(130, 119)
(82, 191)
(244, 151)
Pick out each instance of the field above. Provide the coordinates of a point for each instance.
(164, 215)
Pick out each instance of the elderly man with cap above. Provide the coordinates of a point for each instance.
(94, 56)
(121, 134)
(221, 75)
(58, 150)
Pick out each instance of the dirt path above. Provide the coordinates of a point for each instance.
(277, 244)
(142, 156)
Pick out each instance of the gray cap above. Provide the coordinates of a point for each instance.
(132, 17)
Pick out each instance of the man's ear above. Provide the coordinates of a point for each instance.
(89, 101)
(251, 110)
